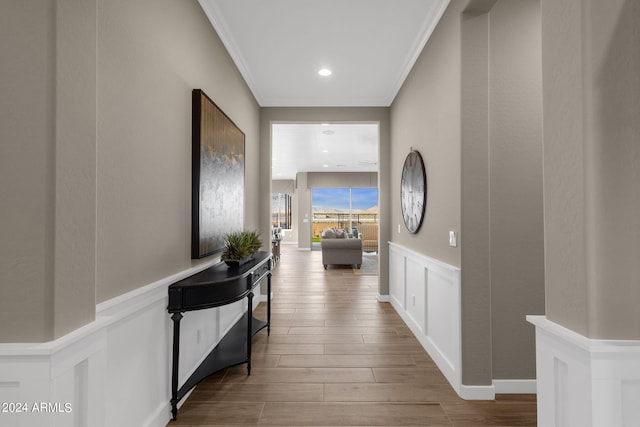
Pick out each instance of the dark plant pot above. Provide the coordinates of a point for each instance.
(237, 263)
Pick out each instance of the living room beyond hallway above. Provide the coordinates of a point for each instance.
(338, 357)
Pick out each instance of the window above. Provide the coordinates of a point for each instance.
(281, 210)
(348, 208)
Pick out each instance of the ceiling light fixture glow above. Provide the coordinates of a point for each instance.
(324, 72)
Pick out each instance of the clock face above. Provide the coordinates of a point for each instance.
(413, 191)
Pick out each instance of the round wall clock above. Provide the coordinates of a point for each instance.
(413, 191)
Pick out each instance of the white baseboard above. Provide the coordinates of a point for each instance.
(383, 298)
(477, 392)
(515, 386)
(102, 367)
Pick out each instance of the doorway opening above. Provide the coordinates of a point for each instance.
(335, 160)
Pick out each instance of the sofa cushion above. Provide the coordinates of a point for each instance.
(341, 244)
(329, 233)
(341, 234)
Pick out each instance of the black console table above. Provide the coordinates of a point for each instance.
(216, 286)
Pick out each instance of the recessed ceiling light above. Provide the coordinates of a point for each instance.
(325, 166)
(324, 72)
(328, 132)
(325, 151)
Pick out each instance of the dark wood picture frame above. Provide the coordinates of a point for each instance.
(217, 187)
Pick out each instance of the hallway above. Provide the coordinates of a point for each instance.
(338, 357)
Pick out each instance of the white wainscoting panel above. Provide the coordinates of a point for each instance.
(115, 371)
(585, 382)
(426, 294)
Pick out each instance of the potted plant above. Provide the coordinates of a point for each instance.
(240, 247)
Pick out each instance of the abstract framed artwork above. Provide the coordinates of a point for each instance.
(217, 188)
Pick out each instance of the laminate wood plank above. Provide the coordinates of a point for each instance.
(334, 310)
(363, 323)
(313, 339)
(348, 361)
(214, 413)
(296, 322)
(336, 330)
(299, 375)
(352, 414)
(490, 413)
(288, 349)
(376, 348)
(271, 392)
(279, 330)
(366, 368)
(409, 376)
(389, 339)
(389, 392)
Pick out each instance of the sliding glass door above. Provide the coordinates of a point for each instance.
(352, 209)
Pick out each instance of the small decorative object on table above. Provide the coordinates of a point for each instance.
(240, 247)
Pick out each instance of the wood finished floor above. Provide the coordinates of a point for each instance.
(338, 357)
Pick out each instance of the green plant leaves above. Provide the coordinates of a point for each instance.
(241, 245)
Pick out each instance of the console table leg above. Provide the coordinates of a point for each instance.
(249, 330)
(176, 317)
(269, 304)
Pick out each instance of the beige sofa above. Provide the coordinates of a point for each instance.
(339, 247)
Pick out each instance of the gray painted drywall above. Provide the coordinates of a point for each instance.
(304, 214)
(27, 170)
(96, 152)
(476, 213)
(472, 106)
(150, 57)
(380, 115)
(48, 168)
(591, 92)
(516, 202)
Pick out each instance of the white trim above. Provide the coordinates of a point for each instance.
(436, 321)
(515, 386)
(477, 392)
(584, 381)
(383, 298)
(304, 249)
(103, 366)
(222, 29)
(418, 46)
(426, 294)
(131, 301)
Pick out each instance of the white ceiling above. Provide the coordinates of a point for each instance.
(323, 148)
(279, 46)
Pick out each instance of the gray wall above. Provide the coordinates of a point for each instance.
(96, 166)
(27, 169)
(472, 107)
(516, 203)
(590, 63)
(378, 115)
(151, 56)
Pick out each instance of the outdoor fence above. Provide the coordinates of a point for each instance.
(365, 223)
